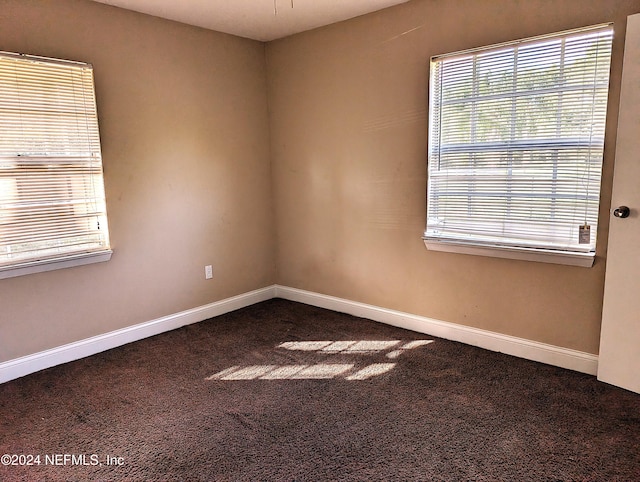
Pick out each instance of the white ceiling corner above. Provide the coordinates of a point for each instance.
(256, 19)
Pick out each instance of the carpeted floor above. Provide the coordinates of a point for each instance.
(285, 391)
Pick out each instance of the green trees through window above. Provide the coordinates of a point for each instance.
(516, 142)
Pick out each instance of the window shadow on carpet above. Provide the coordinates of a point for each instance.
(360, 369)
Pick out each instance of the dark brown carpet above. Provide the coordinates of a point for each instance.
(226, 400)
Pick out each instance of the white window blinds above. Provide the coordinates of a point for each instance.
(52, 202)
(516, 142)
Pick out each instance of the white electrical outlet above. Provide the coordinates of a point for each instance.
(208, 272)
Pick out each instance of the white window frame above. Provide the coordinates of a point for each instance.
(38, 96)
(475, 244)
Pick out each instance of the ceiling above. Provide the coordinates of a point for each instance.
(256, 19)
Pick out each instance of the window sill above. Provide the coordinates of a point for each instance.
(584, 260)
(54, 263)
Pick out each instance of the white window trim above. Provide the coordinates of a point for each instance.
(563, 257)
(68, 261)
(54, 263)
(584, 260)
(61, 260)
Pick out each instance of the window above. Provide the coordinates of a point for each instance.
(516, 141)
(52, 202)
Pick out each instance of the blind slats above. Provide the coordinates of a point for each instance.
(516, 142)
(52, 201)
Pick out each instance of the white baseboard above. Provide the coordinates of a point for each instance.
(530, 350)
(511, 345)
(20, 367)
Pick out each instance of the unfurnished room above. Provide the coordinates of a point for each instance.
(319, 240)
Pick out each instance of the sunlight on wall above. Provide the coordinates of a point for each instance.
(320, 371)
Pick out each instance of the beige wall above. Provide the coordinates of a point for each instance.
(195, 167)
(183, 121)
(348, 145)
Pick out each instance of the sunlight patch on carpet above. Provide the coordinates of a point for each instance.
(372, 371)
(356, 347)
(408, 346)
(390, 349)
(288, 372)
